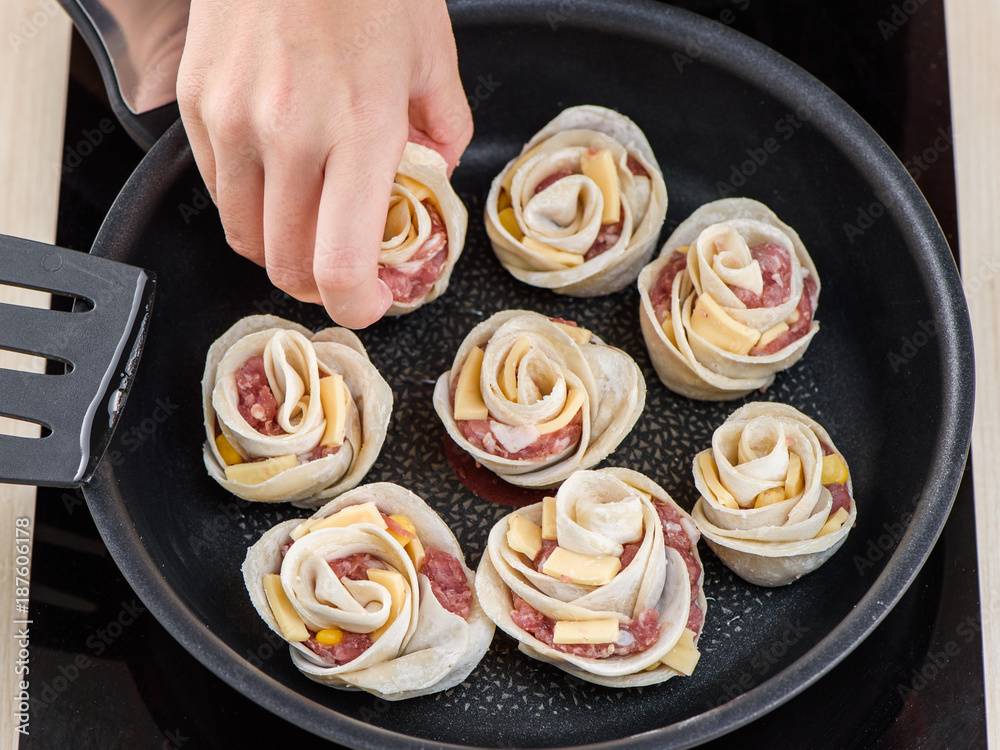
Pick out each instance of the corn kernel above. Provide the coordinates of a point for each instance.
(407, 525)
(834, 470)
(227, 451)
(330, 636)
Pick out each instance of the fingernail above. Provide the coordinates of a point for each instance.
(386, 296)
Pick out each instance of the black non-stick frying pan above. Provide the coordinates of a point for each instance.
(709, 101)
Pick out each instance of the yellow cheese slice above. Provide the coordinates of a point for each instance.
(722, 495)
(550, 253)
(352, 514)
(668, 330)
(291, 625)
(395, 584)
(580, 335)
(549, 518)
(834, 522)
(600, 167)
(684, 655)
(834, 470)
(407, 525)
(769, 497)
(772, 333)
(415, 549)
(257, 472)
(584, 569)
(334, 396)
(508, 384)
(302, 529)
(586, 631)
(574, 401)
(229, 454)
(524, 536)
(794, 317)
(509, 222)
(713, 324)
(794, 480)
(469, 402)
(420, 191)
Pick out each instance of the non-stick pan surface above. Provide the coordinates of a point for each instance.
(889, 375)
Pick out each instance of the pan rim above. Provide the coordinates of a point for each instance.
(836, 121)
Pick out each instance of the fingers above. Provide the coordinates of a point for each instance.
(292, 192)
(439, 114)
(356, 186)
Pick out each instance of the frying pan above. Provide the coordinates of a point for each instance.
(708, 100)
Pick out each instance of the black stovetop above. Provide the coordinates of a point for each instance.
(106, 675)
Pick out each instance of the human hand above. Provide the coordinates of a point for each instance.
(298, 112)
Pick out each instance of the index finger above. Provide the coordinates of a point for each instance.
(357, 183)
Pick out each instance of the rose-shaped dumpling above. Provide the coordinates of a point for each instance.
(729, 302)
(372, 593)
(579, 211)
(291, 415)
(424, 231)
(776, 495)
(603, 580)
(534, 399)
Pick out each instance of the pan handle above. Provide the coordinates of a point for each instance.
(142, 93)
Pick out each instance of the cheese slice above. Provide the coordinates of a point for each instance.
(352, 514)
(723, 496)
(583, 569)
(834, 522)
(415, 549)
(509, 222)
(794, 480)
(668, 330)
(420, 191)
(834, 470)
(600, 167)
(684, 655)
(580, 335)
(302, 529)
(772, 333)
(469, 402)
(769, 497)
(714, 324)
(395, 584)
(508, 384)
(550, 253)
(524, 536)
(291, 625)
(407, 525)
(258, 472)
(549, 518)
(586, 631)
(574, 401)
(229, 454)
(334, 396)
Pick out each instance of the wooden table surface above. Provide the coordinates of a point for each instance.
(34, 57)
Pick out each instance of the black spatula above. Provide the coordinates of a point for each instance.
(95, 348)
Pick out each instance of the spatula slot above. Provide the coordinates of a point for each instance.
(23, 428)
(13, 359)
(60, 300)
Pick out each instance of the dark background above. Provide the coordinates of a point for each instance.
(106, 675)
